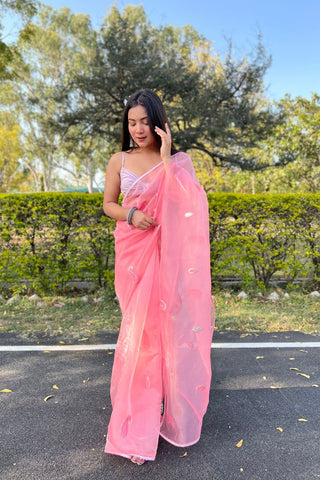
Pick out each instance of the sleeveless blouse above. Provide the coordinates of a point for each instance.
(128, 178)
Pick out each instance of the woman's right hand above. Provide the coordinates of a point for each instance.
(141, 220)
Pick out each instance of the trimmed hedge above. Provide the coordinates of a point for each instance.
(50, 239)
(257, 236)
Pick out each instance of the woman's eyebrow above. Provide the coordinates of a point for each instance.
(134, 119)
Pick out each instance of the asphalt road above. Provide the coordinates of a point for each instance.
(63, 438)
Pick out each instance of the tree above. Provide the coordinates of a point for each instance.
(25, 9)
(130, 54)
(298, 140)
(9, 155)
(227, 117)
(59, 48)
(216, 105)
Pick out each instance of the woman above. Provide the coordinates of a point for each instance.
(162, 280)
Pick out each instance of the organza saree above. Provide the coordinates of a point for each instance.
(162, 280)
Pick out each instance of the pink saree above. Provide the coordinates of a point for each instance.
(162, 280)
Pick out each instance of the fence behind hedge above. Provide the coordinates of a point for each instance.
(50, 239)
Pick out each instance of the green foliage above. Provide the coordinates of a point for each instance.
(48, 240)
(71, 83)
(258, 236)
(215, 105)
(295, 143)
(25, 9)
(59, 49)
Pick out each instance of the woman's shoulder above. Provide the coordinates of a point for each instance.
(115, 161)
(116, 156)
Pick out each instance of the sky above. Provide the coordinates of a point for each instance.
(290, 32)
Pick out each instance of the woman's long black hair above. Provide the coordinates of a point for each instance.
(156, 116)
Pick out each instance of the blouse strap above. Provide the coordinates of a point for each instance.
(123, 159)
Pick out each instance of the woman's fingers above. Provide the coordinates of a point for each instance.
(141, 220)
(165, 135)
(165, 150)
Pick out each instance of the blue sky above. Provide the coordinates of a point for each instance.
(290, 31)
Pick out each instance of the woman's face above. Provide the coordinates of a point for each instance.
(139, 127)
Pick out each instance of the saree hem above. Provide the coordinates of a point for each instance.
(124, 455)
(179, 444)
(127, 455)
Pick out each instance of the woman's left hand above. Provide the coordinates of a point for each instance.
(165, 150)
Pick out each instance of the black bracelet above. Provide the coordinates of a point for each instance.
(130, 214)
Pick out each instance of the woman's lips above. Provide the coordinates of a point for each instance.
(141, 139)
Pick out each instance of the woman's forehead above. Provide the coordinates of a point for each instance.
(137, 113)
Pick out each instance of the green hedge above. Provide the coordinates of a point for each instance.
(49, 239)
(258, 236)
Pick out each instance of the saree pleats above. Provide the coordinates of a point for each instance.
(162, 280)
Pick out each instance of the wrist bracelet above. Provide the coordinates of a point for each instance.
(130, 214)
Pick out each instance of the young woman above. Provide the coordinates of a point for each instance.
(161, 374)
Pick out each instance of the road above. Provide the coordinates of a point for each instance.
(263, 420)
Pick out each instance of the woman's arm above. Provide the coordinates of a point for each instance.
(111, 196)
(112, 190)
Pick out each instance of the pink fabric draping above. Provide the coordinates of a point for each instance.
(162, 280)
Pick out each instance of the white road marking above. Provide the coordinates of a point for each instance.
(267, 345)
(112, 346)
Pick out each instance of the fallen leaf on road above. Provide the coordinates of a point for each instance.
(6, 390)
(239, 444)
(82, 339)
(264, 378)
(304, 351)
(273, 386)
(244, 335)
(48, 398)
(241, 469)
(302, 420)
(315, 385)
(46, 351)
(85, 381)
(304, 375)
(293, 368)
(184, 455)
(280, 429)
(259, 357)
(55, 387)
(292, 358)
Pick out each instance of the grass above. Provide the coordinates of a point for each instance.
(66, 316)
(72, 317)
(300, 312)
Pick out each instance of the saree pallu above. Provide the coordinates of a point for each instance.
(162, 280)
